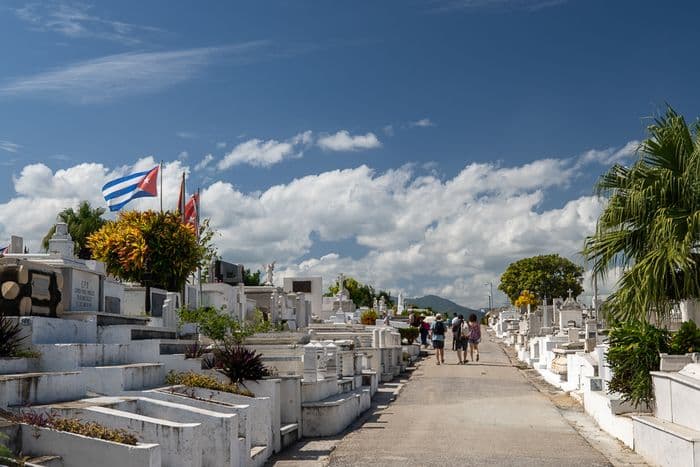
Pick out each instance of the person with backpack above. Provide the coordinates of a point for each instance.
(437, 335)
(474, 336)
(459, 332)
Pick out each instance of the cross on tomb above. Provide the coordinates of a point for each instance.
(570, 292)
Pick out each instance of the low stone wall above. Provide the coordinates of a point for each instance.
(81, 451)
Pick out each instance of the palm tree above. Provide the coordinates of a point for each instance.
(650, 227)
(80, 225)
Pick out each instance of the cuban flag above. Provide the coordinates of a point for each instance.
(4, 250)
(121, 190)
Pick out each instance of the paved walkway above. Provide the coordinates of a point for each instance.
(484, 413)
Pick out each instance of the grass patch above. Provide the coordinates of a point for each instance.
(72, 425)
(196, 380)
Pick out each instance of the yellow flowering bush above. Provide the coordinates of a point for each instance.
(148, 242)
(527, 298)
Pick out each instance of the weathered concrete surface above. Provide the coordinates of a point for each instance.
(476, 414)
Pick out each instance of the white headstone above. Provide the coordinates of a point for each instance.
(16, 245)
(61, 243)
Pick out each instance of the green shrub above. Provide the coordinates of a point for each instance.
(685, 340)
(212, 323)
(196, 380)
(218, 325)
(410, 334)
(633, 353)
(5, 453)
(368, 317)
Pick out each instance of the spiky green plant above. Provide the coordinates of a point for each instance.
(239, 363)
(9, 337)
(650, 227)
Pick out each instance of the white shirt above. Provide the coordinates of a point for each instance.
(455, 320)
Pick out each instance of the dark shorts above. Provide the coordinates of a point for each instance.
(462, 344)
(474, 341)
(438, 344)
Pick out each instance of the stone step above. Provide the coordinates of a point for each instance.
(68, 357)
(124, 334)
(149, 332)
(41, 388)
(289, 434)
(45, 461)
(244, 414)
(665, 443)
(178, 363)
(332, 415)
(15, 365)
(105, 319)
(258, 455)
(175, 346)
(218, 441)
(115, 379)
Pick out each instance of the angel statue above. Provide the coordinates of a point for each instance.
(269, 270)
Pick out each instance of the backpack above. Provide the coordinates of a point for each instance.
(439, 328)
(455, 327)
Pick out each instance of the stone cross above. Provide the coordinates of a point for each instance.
(570, 292)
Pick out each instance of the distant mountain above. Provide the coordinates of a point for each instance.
(441, 305)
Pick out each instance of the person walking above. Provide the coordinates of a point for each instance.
(437, 335)
(461, 341)
(424, 331)
(456, 326)
(473, 336)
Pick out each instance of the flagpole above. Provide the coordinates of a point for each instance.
(199, 269)
(160, 170)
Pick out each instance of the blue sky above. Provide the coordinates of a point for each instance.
(334, 135)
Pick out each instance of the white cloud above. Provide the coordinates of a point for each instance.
(221, 145)
(201, 165)
(609, 156)
(388, 130)
(186, 134)
(120, 75)
(9, 146)
(344, 141)
(265, 153)
(75, 20)
(412, 232)
(423, 122)
(183, 155)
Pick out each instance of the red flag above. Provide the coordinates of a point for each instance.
(149, 182)
(181, 199)
(191, 216)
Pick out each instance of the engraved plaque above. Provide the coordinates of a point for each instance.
(301, 286)
(40, 287)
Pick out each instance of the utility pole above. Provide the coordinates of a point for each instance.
(490, 284)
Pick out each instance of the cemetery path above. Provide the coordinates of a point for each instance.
(484, 413)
